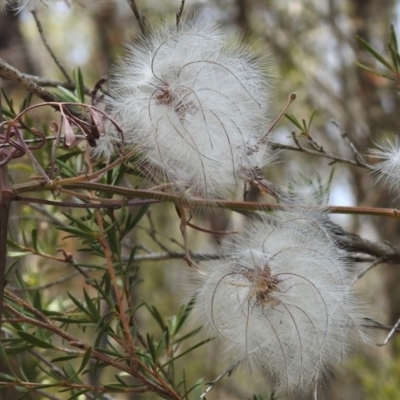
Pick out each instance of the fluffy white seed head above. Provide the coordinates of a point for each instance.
(194, 107)
(388, 169)
(282, 301)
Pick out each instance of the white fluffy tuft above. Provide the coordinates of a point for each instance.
(388, 150)
(282, 301)
(20, 5)
(193, 107)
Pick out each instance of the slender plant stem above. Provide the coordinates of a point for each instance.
(240, 206)
(49, 49)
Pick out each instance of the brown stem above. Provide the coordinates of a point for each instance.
(49, 49)
(7, 71)
(240, 206)
(138, 16)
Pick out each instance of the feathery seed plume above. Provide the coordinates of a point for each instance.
(194, 107)
(281, 301)
(388, 150)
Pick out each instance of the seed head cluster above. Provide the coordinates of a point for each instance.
(193, 107)
(281, 301)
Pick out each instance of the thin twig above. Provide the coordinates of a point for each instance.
(152, 232)
(217, 379)
(138, 258)
(48, 48)
(58, 281)
(334, 157)
(50, 215)
(104, 203)
(291, 99)
(174, 255)
(357, 155)
(370, 323)
(179, 13)
(391, 333)
(138, 16)
(9, 72)
(48, 138)
(365, 270)
(83, 182)
(47, 82)
(182, 226)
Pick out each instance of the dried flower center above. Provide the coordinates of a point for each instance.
(264, 285)
(178, 99)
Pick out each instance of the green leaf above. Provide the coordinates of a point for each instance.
(156, 315)
(5, 359)
(79, 86)
(65, 358)
(131, 223)
(113, 239)
(10, 269)
(71, 154)
(70, 372)
(375, 53)
(121, 381)
(34, 340)
(86, 359)
(294, 121)
(161, 345)
(18, 349)
(66, 95)
(26, 102)
(393, 48)
(115, 387)
(198, 384)
(34, 236)
(188, 335)
(78, 303)
(92, 308)
(152, 350)
(186, 352)
(184, 314)
(65, 170)
(313, 114)
(104, 295)
(20, 280)
(107, 351)
(18, 253)
(10, 104)
(7, 378)
(37, 302)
